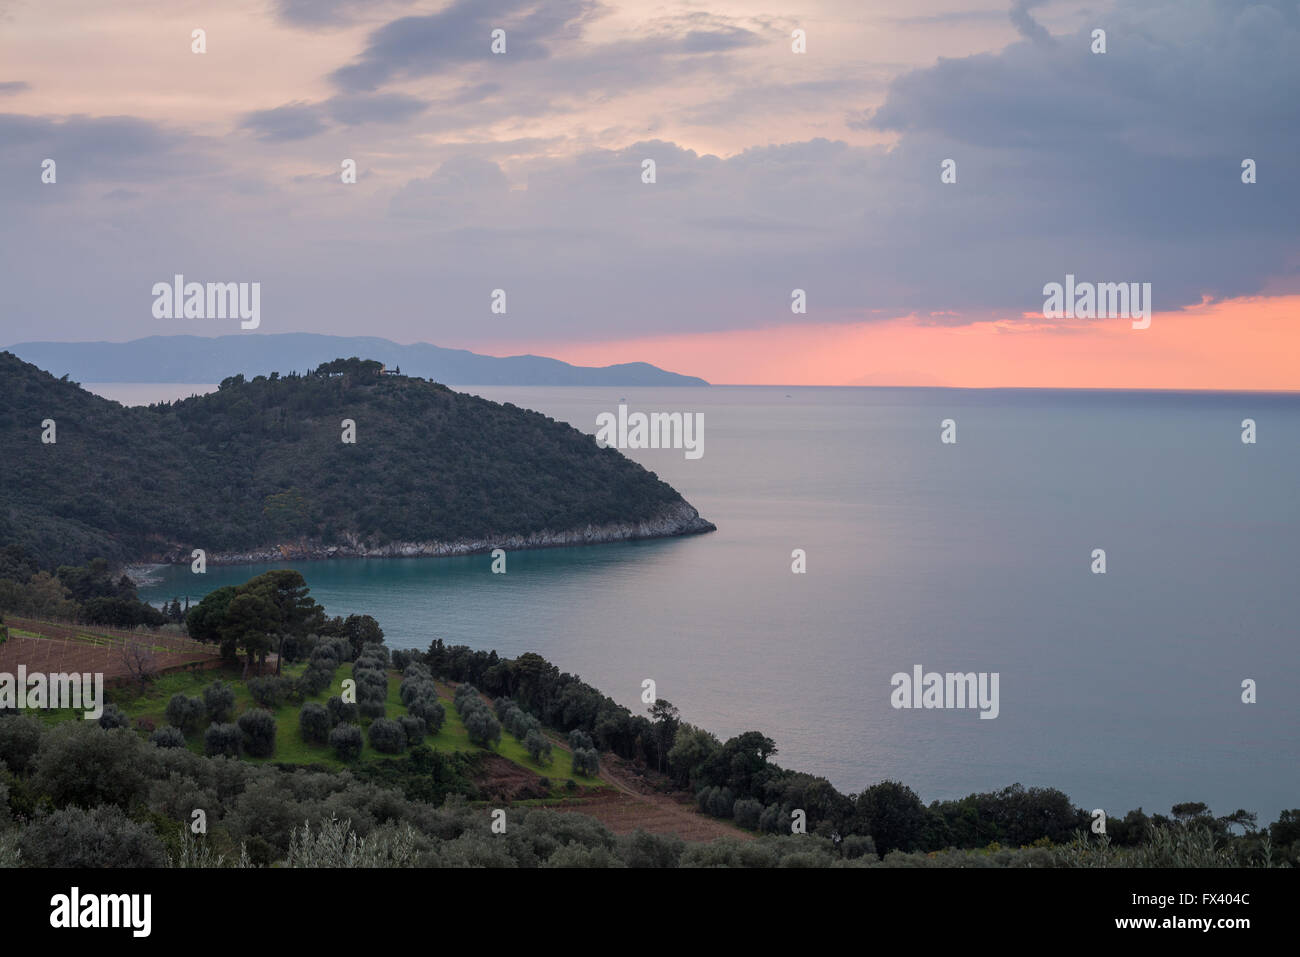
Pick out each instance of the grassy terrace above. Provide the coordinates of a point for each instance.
(290, 748)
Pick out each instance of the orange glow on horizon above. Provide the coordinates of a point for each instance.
(1240, 344)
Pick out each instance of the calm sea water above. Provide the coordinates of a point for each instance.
(1122, 689)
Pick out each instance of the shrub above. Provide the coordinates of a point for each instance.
(325, 651)
(342, 712)
(318, 676)
(431, 712)
(337, 845)
(416, 687)
(268, 691)
(186, 713)
(858, 845)
(538, 746)
(113, 717)
(640, 849)
(377, 650)
(772, 820)
(219, 701)
(520, 723)
(258, 729)
(586, 761)
(484, 729)
(413, 727)
(222, 739)
(746, 812)
(371, 707)
(387, 736)
(80, 763)
(20, 737)
(100, 837)
(293, 648)
(346, 741)
(146, 725)
(314, 722)
(168, 737)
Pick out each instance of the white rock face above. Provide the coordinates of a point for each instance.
(679, 519)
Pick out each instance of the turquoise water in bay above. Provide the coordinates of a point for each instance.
(1122, 689)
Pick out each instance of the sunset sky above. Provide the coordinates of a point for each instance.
(775, 171)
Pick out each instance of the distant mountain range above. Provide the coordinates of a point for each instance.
(199, 359)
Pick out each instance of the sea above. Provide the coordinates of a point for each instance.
(1171, 676)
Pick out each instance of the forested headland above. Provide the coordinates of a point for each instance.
(271, 465)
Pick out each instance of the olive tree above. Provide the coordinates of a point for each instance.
(168, 737)
(538, 746)
(387, 737)
(224, 739)
(258, 729)
(185, 712)
(219, 702)
(314, 722)
(346, 741)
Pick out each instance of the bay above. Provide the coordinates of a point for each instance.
(1122, 689)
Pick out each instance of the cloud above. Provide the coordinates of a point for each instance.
(548, 59)
(718, 40)
(1025, 24)
(461, 33)
(293, 121)
(952, 17)
(461, 191)
(357, 108)
(12, 87)
(103, 149)
(315, 14)
(1116, 167)
(766, 98)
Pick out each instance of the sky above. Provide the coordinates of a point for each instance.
(775, 170)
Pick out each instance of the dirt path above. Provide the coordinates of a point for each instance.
(631, 804)
(636, 806)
